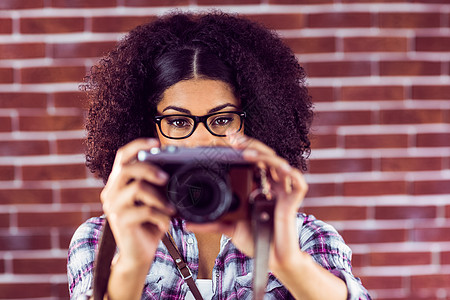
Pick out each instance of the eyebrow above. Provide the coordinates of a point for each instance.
(212, 110)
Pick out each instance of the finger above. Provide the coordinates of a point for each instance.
(142, 171)
(139, 215)
(128, 153)
(293, 180)
(150, 196)
(137, 192)
(245, 142)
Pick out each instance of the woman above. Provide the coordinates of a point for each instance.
(203, 65)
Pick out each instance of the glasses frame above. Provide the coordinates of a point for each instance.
(197, 120)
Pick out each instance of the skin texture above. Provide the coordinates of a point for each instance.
(138, 229)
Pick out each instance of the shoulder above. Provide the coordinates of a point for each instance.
(81, 256)
(322, 241)
(311, 229)
(87, 235)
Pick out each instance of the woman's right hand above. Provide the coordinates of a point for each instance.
(136, 209)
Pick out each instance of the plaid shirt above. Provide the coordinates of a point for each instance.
(232, 274)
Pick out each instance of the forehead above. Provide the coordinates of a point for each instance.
(198, 95)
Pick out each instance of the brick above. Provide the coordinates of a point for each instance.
(51, 25)
(52, 74)
(298, 2)
(280, 21)
(83, 3)
(61, 290)
(322, 94)
(4, 223)
(21, 4)
(312, 44)
(50, 123)
(399, 258)
(447, 211)
(409, 20)
(419, 282)
(95, 212)
(321, 190)
(374, 236)
(54, 172)
(7, 172)
(5, 26)
(445, 258)
(49, 219)
(6, 75)
(5, 124)
(429, 1)
(335, 118)
(323, 141)
(340, 165)
(2, 266)
(81, 195)
(362, 93)
(335, 213)
(375, 44)
(358, 260)
(26, 196)
(383, 282)
(431, 187)
(410, 163)
(432, 43)
(376, 141)
(70, 99)
(405, 212)
(430, 92)
(75, 50)
(19, 148)
(431, 234)
(64, 237)
(161, 2)
(24, 242)
(338, 69)
(375, 188)
(23, 100)
(18, 290)
(339, 20)
(410, 68)
(118, 23)
(39, 266)
(72, 146)
(416, 116)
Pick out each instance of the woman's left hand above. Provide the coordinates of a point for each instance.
(289, 188)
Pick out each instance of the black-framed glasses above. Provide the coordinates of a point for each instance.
(179, 126)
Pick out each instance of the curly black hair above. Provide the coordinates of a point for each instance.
(123, 87)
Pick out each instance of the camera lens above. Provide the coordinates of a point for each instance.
(200, 194)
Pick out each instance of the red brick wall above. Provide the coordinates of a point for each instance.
(379, 170)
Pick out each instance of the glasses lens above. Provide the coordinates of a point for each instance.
(224, 123)
(177, 126)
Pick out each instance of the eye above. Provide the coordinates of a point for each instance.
(222, 121)
(179, 122)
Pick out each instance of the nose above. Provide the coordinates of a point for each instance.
(203, 138)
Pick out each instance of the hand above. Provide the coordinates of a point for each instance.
(135, 208)
(288, 186)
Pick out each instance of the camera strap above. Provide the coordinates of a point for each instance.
(105, 255)
(262, 218)
(107, 250)
(182, 266)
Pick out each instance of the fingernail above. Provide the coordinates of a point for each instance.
(286, 167)
(250, 153)
(162, 175)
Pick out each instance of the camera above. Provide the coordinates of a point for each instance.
(206, 183)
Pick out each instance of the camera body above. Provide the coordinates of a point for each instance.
(206, 183)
